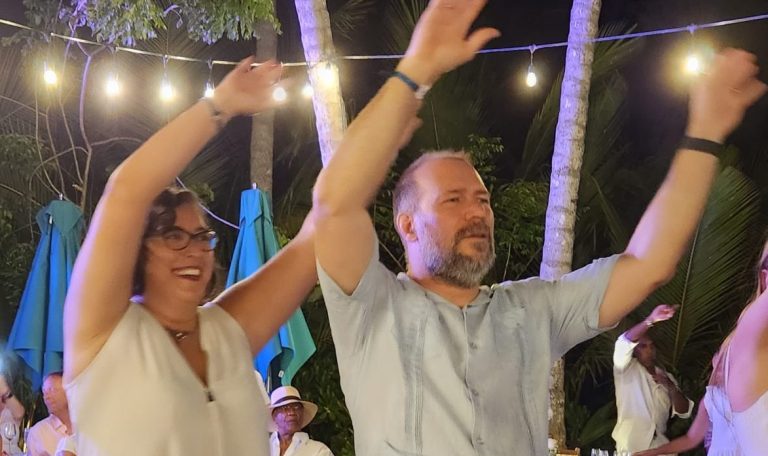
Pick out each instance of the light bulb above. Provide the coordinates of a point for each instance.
(693, 64)
(307, 91)
(49, 76)
(166, 91)
(279, 94)
(328, 74)
(530, 79)
(208, 90)
(112, 86)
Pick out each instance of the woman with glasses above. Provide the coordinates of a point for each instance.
(735, 406)
(160, 373)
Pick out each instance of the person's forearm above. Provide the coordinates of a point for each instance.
(668, 224)
(155, 164)
(370, 146)
(680, 444)
(636, 332)
(679, 401)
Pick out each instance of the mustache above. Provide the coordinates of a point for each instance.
(473, 230)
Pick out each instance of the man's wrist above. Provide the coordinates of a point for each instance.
(708, 134)
(416, 70)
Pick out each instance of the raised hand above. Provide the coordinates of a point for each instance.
(441, 40)
(247, 90)
(720, 98)
(662, 312)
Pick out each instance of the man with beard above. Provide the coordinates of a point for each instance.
(431, 362)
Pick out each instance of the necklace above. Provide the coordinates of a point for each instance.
(178, 336)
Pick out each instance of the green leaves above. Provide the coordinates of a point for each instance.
(128, 21)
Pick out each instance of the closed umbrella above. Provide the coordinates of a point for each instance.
(36, 335)
(292, 346)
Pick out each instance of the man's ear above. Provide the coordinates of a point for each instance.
(404, 225)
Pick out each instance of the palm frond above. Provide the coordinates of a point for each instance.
(352, 14)
(541, 134)
(711, 279)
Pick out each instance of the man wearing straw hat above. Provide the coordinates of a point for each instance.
(289, 416)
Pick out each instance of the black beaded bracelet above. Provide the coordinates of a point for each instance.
(702, 145)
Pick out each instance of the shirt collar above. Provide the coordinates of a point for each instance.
(483, 296)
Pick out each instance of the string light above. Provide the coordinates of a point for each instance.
(328, 74)
(167, 92)
(49, 75)
(112, 87)
(307, 91)
(208, 93)
(562, 44)
(279, 94)
(530, 78)
(693, 65)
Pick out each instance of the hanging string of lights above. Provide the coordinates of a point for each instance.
(693, 64)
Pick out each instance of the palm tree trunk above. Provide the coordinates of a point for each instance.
(330, 116)
(566, 169)
(262, 126)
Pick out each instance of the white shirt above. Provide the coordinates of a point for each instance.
(643, 405)
(140, 396)
(45, 435)
(68, 443)
(301, 445)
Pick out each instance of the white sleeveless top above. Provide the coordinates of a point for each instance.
(140, 396)
(724, 442)
(750, 425)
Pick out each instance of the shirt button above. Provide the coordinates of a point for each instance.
(480, 441)
(474, 392)
(473, 346)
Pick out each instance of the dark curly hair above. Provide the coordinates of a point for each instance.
(162, 216)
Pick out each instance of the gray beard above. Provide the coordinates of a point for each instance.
(455, 268)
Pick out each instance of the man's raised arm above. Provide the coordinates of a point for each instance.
(717, 105)
(345, 188)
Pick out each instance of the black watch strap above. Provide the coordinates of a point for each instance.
(702, 145)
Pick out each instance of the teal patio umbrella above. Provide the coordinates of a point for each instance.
(292, 346)
(36, 335)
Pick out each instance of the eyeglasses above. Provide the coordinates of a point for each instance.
(176, 238)
(295, 406)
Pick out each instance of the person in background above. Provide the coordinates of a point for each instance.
(289, 416)
(44, 436)
(735, 406)
(11, 414)
(645, 392)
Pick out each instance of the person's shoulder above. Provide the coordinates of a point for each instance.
(35, 428)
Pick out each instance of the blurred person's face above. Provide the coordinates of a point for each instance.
(288, 418)
(53, 394)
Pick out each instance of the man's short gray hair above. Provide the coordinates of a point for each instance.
(406, 194)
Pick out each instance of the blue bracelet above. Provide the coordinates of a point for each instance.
(419, 90)
(408, 81)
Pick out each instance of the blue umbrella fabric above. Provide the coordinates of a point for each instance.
(292, 346)
(37, 333)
